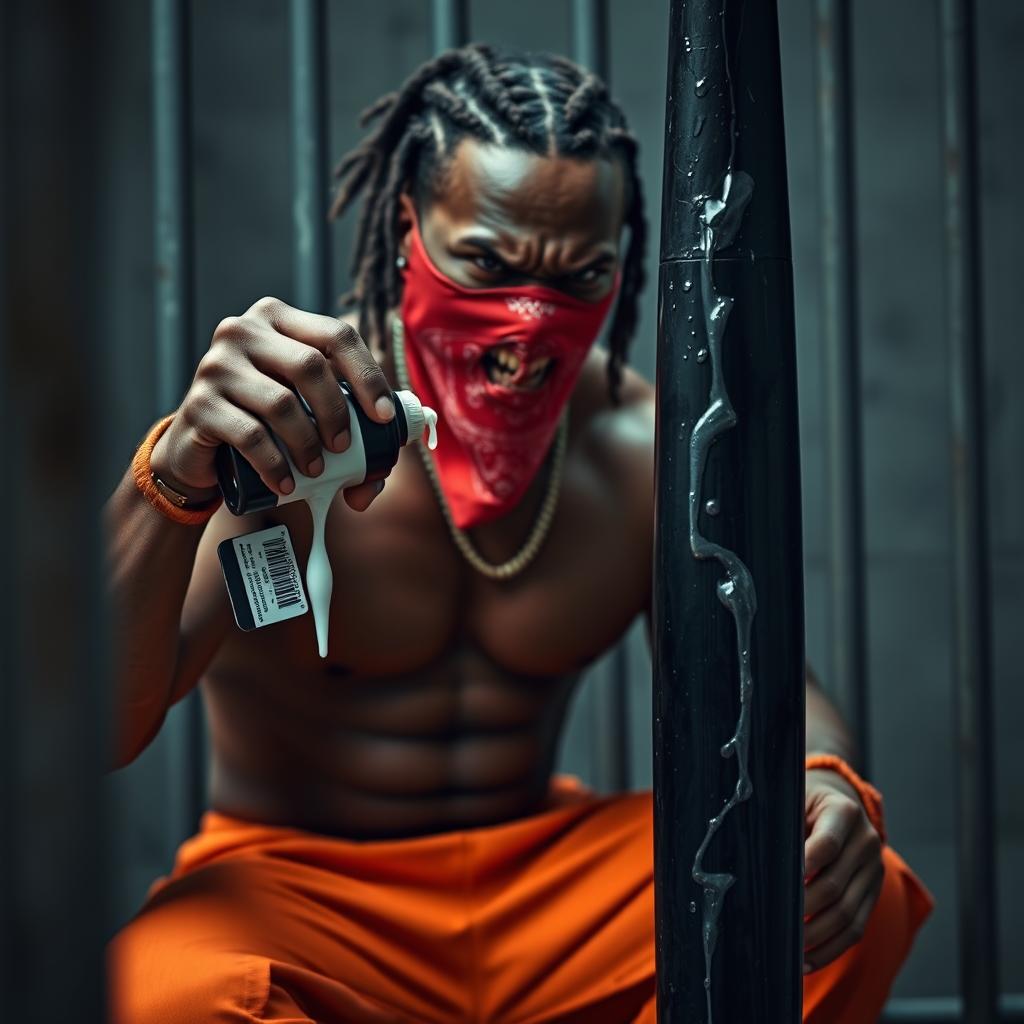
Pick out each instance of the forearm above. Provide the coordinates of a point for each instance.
(826, 733)
(149, 564)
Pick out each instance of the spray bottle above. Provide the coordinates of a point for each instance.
(371, 456)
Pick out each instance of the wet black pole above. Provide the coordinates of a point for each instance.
(972, 679)
(309, 154)
(846, 669)
(177, 343)
(741, 514)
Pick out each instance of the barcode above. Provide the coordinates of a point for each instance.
(282, 573)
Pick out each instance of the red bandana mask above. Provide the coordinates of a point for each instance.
(492, 437)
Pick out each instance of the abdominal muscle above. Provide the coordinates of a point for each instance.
(436, 708)
(457, 745)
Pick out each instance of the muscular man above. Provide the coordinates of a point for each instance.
(386, 841)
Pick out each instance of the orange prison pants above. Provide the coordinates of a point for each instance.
(548, 918)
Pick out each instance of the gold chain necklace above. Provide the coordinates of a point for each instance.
(532, 545)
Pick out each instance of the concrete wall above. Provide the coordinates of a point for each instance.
(240, 75)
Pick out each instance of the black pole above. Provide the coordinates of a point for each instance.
(610, 744)
(54, 665)
(972, 688)
(178, 348)
(450, 24)
(309, 154)
(846, 671)
(728, 600)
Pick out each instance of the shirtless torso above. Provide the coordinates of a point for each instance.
(442, 699)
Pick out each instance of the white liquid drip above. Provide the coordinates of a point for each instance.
(319, 575)
(431, 420)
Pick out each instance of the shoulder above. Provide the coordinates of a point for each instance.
(622, 430)
(617, 439)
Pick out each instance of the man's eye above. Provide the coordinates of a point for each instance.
(488, 263)
(594, 274)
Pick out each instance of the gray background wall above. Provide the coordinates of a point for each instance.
(240, 78)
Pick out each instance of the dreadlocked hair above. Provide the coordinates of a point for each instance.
(542, 103)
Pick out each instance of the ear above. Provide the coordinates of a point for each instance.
(406, 219)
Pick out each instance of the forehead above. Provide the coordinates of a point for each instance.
(512, 191)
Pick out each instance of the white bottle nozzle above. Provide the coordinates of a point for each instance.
(418, 418)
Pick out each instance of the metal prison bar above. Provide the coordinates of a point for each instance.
(309, 155)
(972, 668)
(846, 670)
(177, 345)
(972, 682)
(53, 658)
(610, 739)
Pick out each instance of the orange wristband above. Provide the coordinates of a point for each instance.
(869, 796)
(142, 472)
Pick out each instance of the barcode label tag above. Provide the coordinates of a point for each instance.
(262, 577)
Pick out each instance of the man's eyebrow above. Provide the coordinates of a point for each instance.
(481, 241)
(598, 261)
(487, 243)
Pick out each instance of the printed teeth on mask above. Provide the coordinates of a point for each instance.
(502, 366)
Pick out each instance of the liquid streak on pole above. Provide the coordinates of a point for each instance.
(743, 514)
(309, 154)
(450, 24)
(610, 742)
(846, 671)
(979, 952)
(175, 301)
